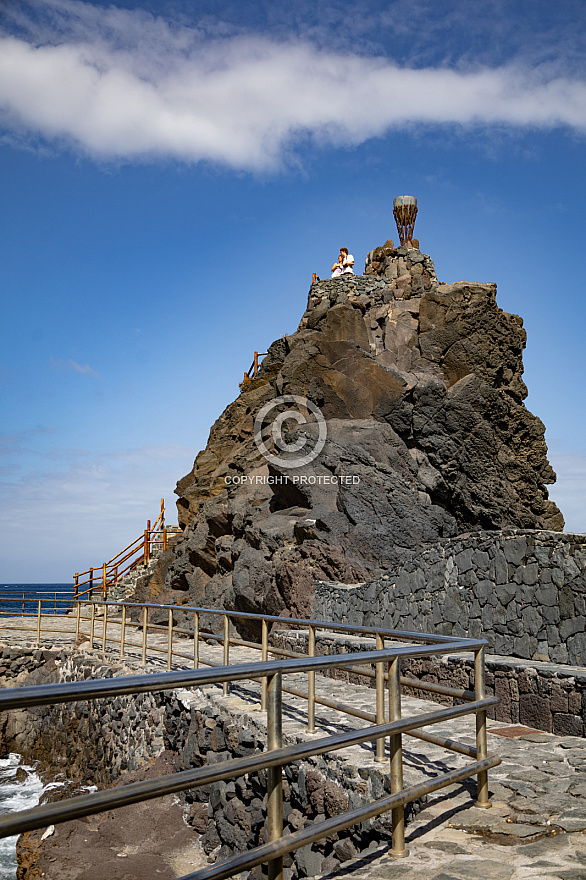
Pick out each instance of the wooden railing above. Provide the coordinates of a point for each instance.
(138, 552)
(252, 370)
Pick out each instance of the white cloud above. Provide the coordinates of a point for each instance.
(126, 85)
(68, 364)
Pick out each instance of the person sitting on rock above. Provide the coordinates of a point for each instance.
(338, 268)
(348, 261)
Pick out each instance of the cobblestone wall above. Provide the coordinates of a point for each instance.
(524, 591)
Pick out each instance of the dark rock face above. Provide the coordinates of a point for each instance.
(421, 388)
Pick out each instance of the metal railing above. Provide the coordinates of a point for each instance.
(250, 374)
(386, 662)
(276, 756)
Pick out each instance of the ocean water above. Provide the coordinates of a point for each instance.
(20, 789)
(54, 597)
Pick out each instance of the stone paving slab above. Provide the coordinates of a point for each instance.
(536, 827)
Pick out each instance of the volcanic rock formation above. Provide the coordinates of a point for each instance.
(421, 387)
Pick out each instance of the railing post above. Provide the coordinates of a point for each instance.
(147, 542)
(311, 682)
(162, 513)
(75, 584)
(144, 634)
(92, 623)
(481, 743)
(104, 584)
(22, 615)
(164, 538)
(264, 658)
(39, 624)
(91, 582)
(275, 774)
(77, 619)
(226, 687)
(196, 640)
(104, 628)
(380, 700)
(55, 606)
(170, 641)
(123, 631)
(396, 742)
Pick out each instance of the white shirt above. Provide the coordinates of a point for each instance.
(349, 265)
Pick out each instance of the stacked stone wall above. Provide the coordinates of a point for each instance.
(522, 590)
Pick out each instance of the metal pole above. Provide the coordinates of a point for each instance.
(93, 620)
(264, 657)
(481, 743)
(144, 634)
(195, 640)
(39, 624)
(104, 578)
(123, 631)
(170, 641)
(398, 814)
(311, 683)
(380, 700)
(104, 627)
(275, 774)
(226, 687)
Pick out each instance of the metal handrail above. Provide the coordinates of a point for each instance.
(66, 692)
(135, 792)
(426, 638)
(270, 673)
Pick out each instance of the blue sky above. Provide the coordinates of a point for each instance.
(173, 173)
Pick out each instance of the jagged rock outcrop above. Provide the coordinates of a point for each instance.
(421, 387)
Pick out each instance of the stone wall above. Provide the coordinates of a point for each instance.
(231, 815)
(524, 591)
(406, 270)
(96, 739)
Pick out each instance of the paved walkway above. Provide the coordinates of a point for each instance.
(536, 829)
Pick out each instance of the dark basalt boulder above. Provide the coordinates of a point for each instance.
(421, 388)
